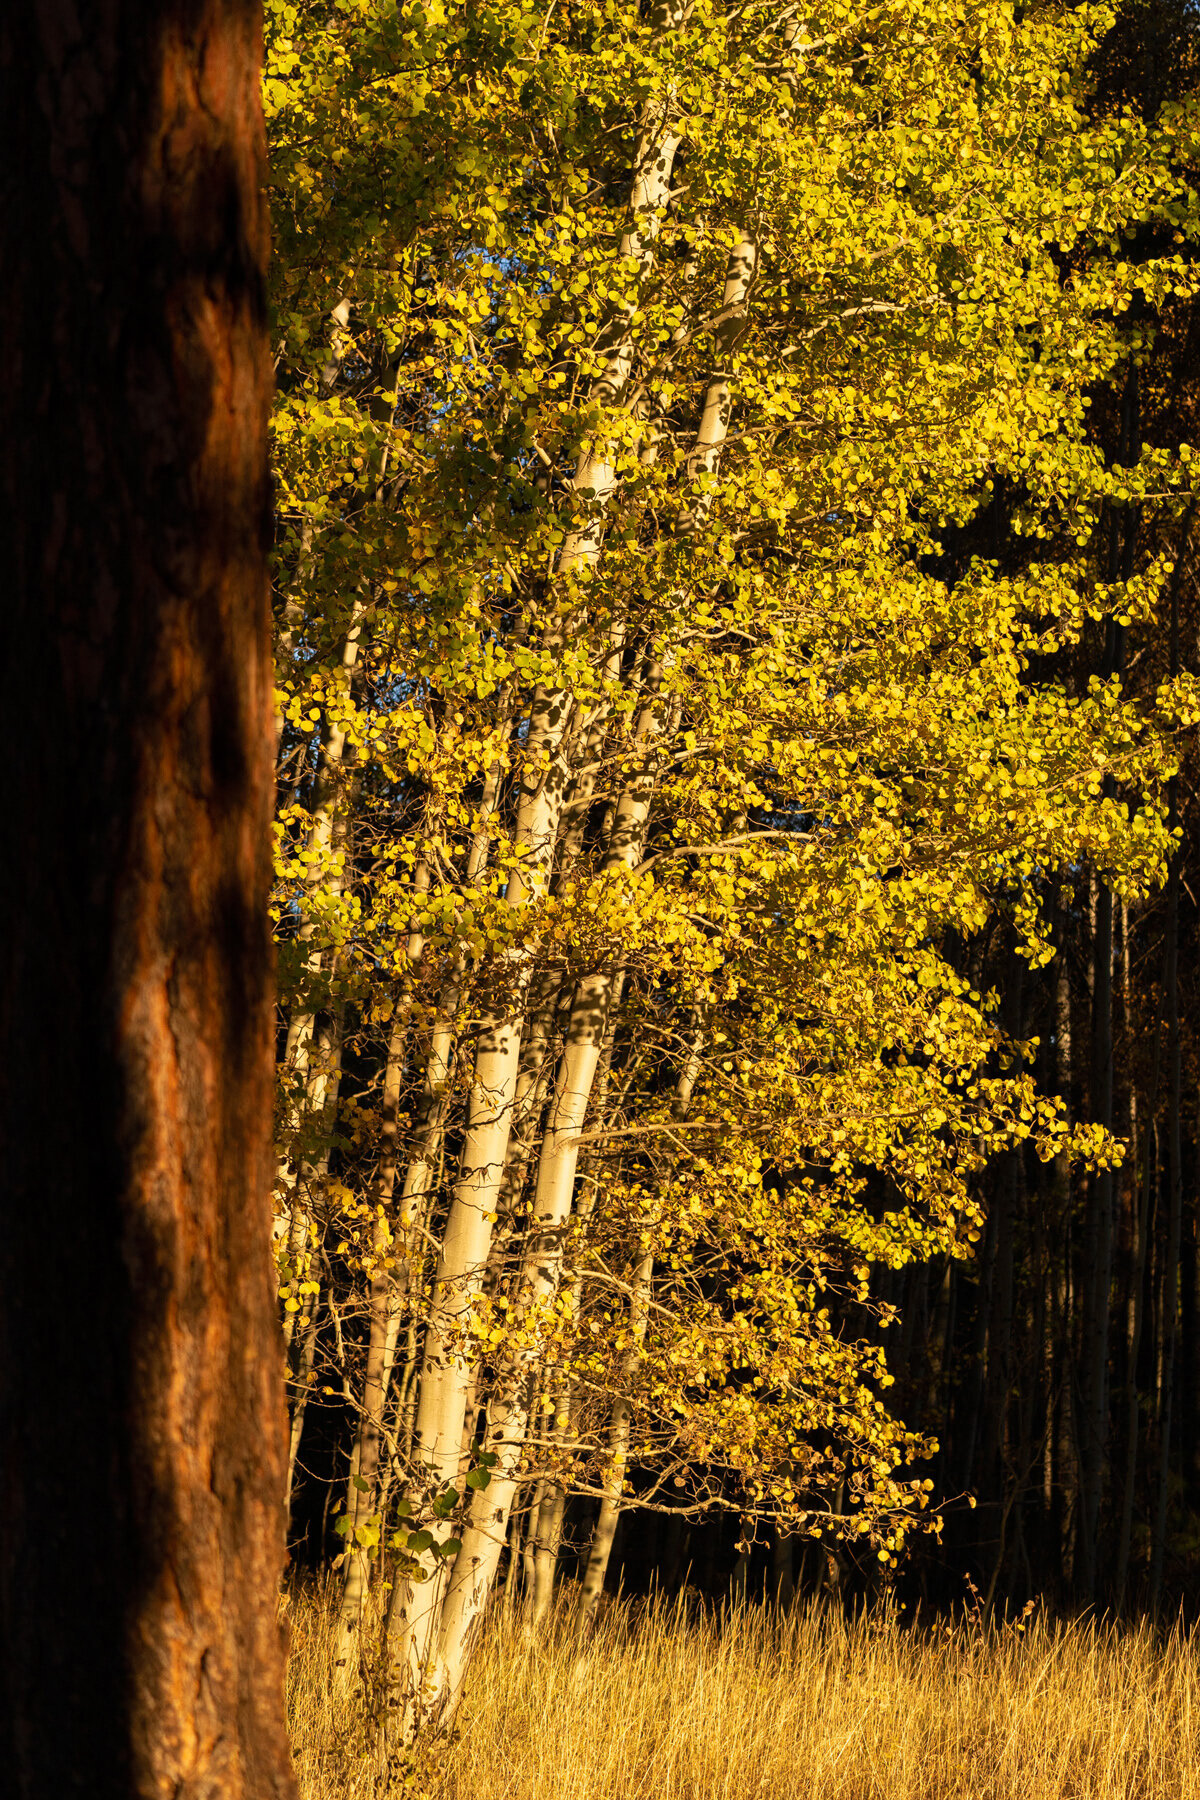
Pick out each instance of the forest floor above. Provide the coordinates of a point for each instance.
(759, 1705)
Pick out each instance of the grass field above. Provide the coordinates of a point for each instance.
(757, 1706)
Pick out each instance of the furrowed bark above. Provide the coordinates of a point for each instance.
(141, 1526)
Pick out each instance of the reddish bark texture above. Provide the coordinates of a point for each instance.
(141, 1411)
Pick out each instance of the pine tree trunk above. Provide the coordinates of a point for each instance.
(1097, 1270)
(141, 1527)
(1170, 1321)
(1174, 1173)
(1097, 1278)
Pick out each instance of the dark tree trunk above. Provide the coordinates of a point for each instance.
(141, 1408)
(1097, 1270)
(1174, 1162)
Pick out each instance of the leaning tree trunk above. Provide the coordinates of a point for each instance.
(141, 1403)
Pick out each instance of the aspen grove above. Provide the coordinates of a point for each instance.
(659, 728)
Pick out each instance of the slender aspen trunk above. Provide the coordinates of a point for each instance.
(529, 1542)
(322, 839)
(384, 1315)
(783, 1580)
(483, 1535)
(595, 1000)
(618, 1446)
(545, 1550)
(604, 1531)
(324, 1057)
(583, 785)
(417, 1605)
(319, 1077)
(474, 1205)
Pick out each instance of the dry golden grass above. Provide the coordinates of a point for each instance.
(754, 1706)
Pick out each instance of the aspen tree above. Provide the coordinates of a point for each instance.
(701, 330)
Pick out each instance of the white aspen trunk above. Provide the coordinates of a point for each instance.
(323, 1064)
(595, 472)
(550, 1514)
(512, 1582)
(533, 1081)
(713, 429)
(293, 1217)
(483, 1538)
(621, 1418)
(545, 1552)
(414, 1616)
(487, 1521)
(618, 1446)
(304, 1366)
(718, 397)
(421, 1172)
(384, 1314)
(583, 786)
(300, 1326)
(448, 1358)
(529, 1543)
(339, 344)
(483, 1535)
